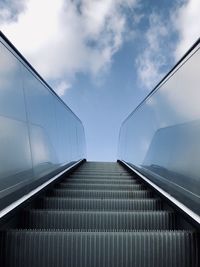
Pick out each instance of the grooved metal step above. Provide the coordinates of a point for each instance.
(67, 193)
(100, 249)
(100, 204)
(99, 173)
(102, 175)
(99, 221)
(99, 216)
(100, 181)
(101, 186)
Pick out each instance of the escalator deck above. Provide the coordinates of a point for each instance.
(99, 216)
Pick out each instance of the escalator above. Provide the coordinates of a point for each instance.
(100, 215)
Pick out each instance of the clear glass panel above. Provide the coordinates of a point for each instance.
(15, 156)
(161, 137)
(42, 123)
(38, 132)
(64, 145)
(11, 90)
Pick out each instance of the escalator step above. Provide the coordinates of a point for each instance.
(118, 173)
(101, 175)
(101, 168)
(100, 249)
(100, 181)
(100, 204)
(94, 220)
(103, 172)
(99, 216)
(100, 193)
(101, 186)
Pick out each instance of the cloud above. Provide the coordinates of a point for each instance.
(152, 59)
(62, 87)
(183, 21)
(62, 38)
(186, 20)
(11, 9)
(137, 18)
(181, 92)
(177, 101)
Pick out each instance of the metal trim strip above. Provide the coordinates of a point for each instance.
(177, 203)
(18, 202)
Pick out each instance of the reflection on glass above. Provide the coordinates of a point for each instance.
(11, 90)
(38, 133)
(162, 136)
(15, 157)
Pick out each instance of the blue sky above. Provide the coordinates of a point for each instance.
(101, 56)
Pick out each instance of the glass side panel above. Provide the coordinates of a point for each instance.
(38, 132)
(15, 155)
(64, 144)
(42, 123)
(162, 136)
(11, 90)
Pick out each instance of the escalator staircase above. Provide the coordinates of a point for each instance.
(100, 215)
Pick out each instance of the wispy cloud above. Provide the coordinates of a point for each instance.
(62, 38)
(183, 21)
(62, 87)
(150, 62)
(186, 20)
(180, 94)
(11, 9)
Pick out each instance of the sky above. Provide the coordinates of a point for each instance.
(102, 57)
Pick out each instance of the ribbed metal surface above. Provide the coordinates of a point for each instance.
(104, 249)
(96, 175)
(101, 216)
(102, 172)
(101, 186)
(101, 166)
(48, 219)
(101, 204)
(100, 194)
(100, 181)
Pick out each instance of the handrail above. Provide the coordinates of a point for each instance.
(163, 79)
(194, 216)
(34, 71)
(24, 198)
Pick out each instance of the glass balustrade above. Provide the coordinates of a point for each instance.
(39, 134)
(161, 137)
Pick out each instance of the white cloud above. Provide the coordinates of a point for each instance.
(177, 101)
(151, 60)
(137, 18)
(62, 87)
(62, 38)
(186, 20)
(10, 10)
(181, 92)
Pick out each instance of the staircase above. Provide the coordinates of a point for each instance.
(99, 216)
